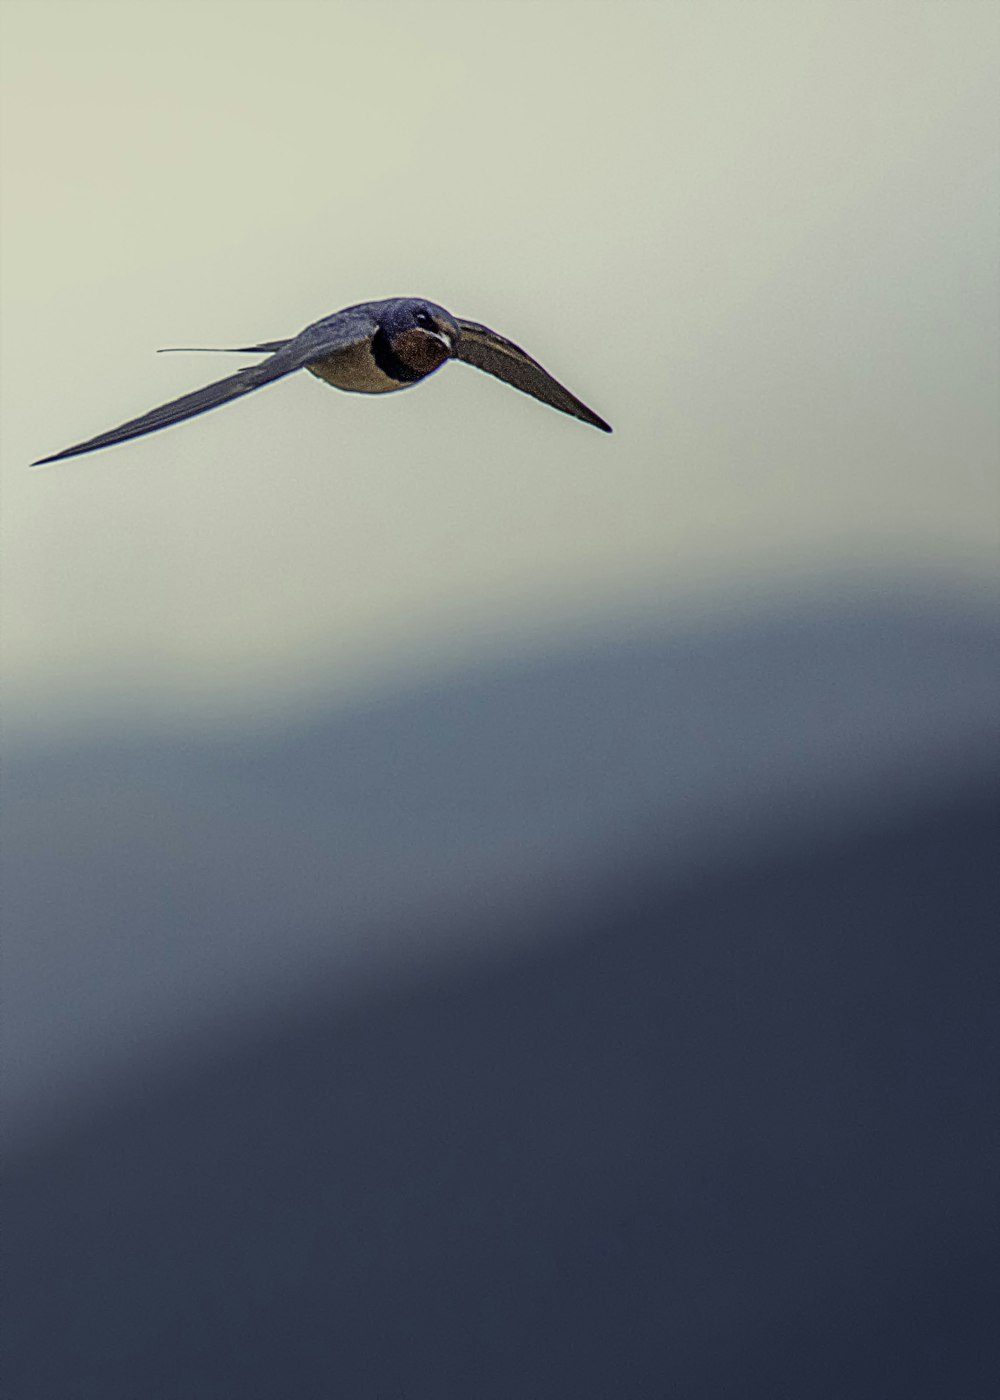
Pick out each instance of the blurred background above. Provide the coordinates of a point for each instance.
(320, 699)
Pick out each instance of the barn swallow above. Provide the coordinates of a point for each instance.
(373, 348)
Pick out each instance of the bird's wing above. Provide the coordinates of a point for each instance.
(479, 346)
(325, 337)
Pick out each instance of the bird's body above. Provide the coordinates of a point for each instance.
(356, 370)
(376, 347)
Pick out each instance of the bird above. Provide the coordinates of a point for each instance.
(375, 347)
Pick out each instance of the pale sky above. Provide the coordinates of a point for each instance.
(759, 238)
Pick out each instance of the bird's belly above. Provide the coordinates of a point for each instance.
(354, 370)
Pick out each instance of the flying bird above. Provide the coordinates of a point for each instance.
(372, 348)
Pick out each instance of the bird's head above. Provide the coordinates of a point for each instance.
(421, 334)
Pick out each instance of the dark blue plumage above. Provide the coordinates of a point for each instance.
(373, 348)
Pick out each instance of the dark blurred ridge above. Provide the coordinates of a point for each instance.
(729, 1135)
(672, 1070)
(159, 890)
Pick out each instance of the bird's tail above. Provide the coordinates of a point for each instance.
(267, 348)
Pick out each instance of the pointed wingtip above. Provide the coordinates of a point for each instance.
(58, 457)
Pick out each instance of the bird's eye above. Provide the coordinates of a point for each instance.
(423, 318)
